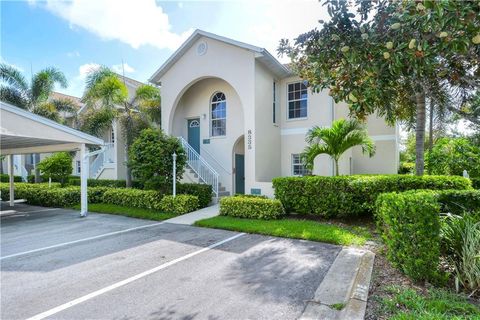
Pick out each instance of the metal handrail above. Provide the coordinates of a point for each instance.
(201, 167)
(24, 174)
(96, 165)
(212, 157)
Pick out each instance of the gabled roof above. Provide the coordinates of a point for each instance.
(262, 55)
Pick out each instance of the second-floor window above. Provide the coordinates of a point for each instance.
(218, 115)
(297, 100)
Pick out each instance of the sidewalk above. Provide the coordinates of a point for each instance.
(192, 217)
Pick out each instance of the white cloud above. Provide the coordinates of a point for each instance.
(85, 69)
(118, 68)
(73, 54)
(137, 23)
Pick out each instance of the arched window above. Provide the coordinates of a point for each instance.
(218, 115)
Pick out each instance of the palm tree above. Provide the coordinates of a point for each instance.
(334, 141)
(34, 96)
(106, 97)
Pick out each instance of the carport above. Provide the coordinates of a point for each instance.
(22, 132)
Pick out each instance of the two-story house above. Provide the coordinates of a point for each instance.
(243, 116)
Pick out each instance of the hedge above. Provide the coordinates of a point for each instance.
(351, 195)
(251, 207)
(202, 191)
(475, 183)
(54, 196)
(410, 226)
(180, 204)
(147, 199)
(6, 178)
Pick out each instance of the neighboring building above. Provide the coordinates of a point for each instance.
(108, 165)
(243, 117)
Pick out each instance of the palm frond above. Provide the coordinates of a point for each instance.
(96, 75)
(13, 96)
(66, 105)
(47, 110)
(43, 84)
(95, 121)
(13, 77)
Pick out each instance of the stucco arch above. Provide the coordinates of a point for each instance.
(189, 85)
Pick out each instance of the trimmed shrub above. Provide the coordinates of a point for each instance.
(352, 195)
(250, 195)
(251, 207)
(410, 227)
(147, 199)
(6, 178)
(54, 196)
(202, 191)
(179, 204)
(99, 182)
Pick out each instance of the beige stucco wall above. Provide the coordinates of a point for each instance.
(267, 133)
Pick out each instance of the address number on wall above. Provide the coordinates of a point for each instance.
(249, 139)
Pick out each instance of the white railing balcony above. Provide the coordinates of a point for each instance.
(201, 167)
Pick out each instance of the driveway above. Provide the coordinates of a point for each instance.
(56, 265)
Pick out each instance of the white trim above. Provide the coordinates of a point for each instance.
(293, 131)
(18, 111)
(384, 137)
(43, 149)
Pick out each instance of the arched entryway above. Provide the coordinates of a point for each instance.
(239, 165)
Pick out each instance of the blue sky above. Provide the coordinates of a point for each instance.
(75, 36)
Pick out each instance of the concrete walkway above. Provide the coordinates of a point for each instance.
(192, 217)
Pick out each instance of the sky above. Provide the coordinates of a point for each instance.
(76, 36)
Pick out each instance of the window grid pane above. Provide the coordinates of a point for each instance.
(297, 100)
(218, 115)
(298, 168)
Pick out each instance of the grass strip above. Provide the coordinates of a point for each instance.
(128, 211)
(291, 228)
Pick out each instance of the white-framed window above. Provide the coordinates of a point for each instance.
(297, 100)
(218, 115)
(298, 167)
(78, 168)
(274, 107)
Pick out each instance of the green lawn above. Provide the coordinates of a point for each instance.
(438, 304)
(291, 228)
(128, 211)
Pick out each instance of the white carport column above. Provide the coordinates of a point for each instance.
(83, 180)
(12, 188)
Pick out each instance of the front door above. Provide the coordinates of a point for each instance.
(194, 134)
(239, 173)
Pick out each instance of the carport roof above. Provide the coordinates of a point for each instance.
(24, 132)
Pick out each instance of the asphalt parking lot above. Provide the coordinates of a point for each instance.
(56, 265)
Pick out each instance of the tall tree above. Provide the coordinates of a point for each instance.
(34, 96)
(390, 56)
(336, 140)
(106, 96)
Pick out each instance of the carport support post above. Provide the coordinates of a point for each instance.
(83, 181)
(10, 173)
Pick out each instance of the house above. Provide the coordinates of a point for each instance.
(242, 117)
(107, 165)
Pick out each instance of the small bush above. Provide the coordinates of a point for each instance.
(98, 182)
(147, 199)
(202, 191)
(179, 204)
(411, 230)
(352, 195)
(57, 166)
(475, 183)
(251, 207)
(250, 196)
(458, 201)
(6, 178)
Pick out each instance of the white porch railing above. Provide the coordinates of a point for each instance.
(105, 157)
(201, 167)
(24, 174)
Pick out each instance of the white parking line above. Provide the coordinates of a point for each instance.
(81, 240)
(94, 294)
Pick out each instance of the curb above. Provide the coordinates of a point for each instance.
(343, 292)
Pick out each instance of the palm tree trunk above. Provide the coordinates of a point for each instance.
(336, 167)
(420, 133)
(430, 129)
